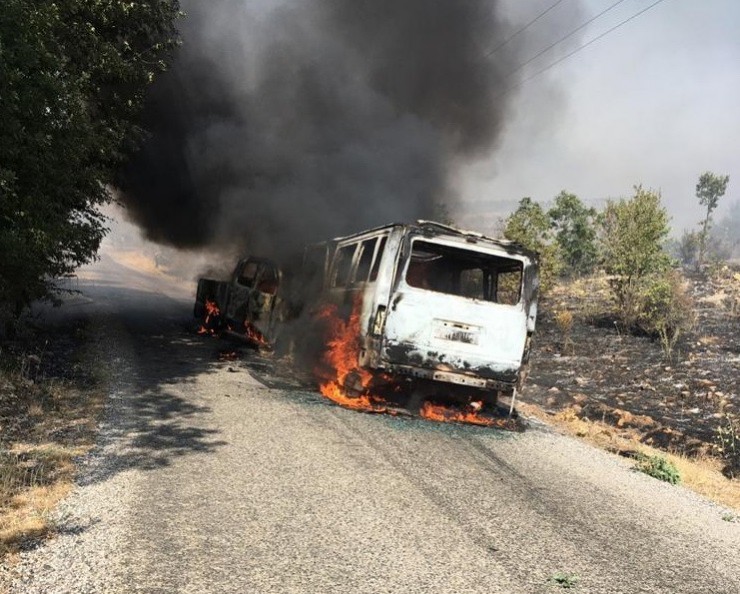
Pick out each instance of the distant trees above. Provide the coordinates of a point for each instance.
(709, 189)
(575, 232)
(687, 247)
(726, 233)
(72, 79)
(564, 236)
(627, 240)
(531, 226)
(633, 233)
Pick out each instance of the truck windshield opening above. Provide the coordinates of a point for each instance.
(464, 273)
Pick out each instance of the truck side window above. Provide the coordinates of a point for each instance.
(367, 250)
(378, 257)
(343, 265)
(247, 274)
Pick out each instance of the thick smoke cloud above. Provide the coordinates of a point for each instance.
(283, 123)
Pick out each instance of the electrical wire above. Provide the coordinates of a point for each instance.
(595, 39)
(582, 47)
(523, 29)
(568, 36)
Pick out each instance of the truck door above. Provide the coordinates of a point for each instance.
(253, 294)
(242, 284)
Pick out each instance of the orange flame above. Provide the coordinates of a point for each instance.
(253, 334)
(350, 384)
(470, 414)
(213, 313)
(228, 356)
(341, 356)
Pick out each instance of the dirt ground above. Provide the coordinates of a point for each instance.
(625, 380)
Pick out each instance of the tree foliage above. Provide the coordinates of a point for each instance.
(687, 247)
(72, 79)
(709, 190)
(530, 226)
(633, 233)
(575, 232)
(666, 309)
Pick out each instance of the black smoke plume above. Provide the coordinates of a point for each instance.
(286, 122)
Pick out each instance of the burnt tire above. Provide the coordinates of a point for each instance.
(353, 385)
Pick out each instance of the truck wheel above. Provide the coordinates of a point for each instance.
(353, 385)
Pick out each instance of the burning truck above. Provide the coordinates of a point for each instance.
(409, 314)
(246, 305)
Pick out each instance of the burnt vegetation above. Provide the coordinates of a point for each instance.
(637, 330)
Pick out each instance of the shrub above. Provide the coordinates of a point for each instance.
(666, 309)
(564, 322)
(632, 236)
(728, 445)
(732, 301)
(565, 580)
(658, 467)
(575, 233)
(687, 248)
(529, 226)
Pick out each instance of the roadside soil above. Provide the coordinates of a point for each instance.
(50, 400)
(598, 373)
(212, 473)
(51, 393)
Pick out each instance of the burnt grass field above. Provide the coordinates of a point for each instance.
(604, 374)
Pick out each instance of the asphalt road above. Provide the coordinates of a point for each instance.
(224, 477)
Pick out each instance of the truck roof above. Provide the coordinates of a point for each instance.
(431, 228)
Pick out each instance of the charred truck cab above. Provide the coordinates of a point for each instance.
(247, 305)
(449, 312)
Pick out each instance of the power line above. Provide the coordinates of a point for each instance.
(569, 35)
(522, 30)
(595, 39)
(582, 47)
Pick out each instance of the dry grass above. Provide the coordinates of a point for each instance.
(702, 474)
(707, 340)
(45, 424)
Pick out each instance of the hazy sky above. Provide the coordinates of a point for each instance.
(655, 102)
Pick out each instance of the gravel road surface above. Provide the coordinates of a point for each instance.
(223, 477)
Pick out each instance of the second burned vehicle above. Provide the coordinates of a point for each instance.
(247, 304)
(424, 310)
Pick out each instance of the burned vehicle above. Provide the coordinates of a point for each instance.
(428, 310)
(408, 314)
(247, 305)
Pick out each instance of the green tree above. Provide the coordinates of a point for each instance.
(666, 309)
(575, 232)
(633, 233)
(687, 247)
(529, 225)
(709, 190)
(72, 79)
